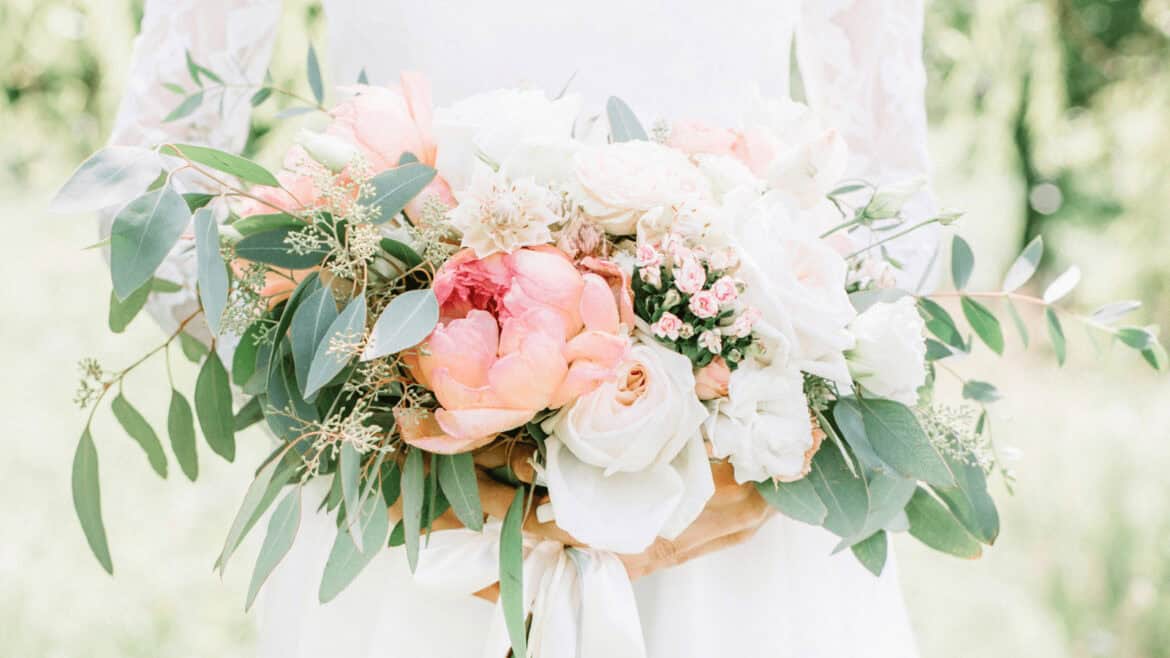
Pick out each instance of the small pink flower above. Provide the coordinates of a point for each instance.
(742, 327)
(725, 290)
(667, 326)
(691, 277)
(651, 275)
(648, 256)
(675, 247)
(711, 380)
(711, 341)
(704, 304)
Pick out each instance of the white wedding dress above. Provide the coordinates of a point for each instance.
(780, 594)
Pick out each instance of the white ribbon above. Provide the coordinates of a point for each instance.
(580, 599)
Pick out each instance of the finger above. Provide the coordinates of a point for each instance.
(491, 593)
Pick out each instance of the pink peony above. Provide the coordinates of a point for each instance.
(697, 137)
(519, 333)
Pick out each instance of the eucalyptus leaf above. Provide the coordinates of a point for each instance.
(962, 262)
(1025, 265)
(309, 326)
(349, 470)
(287, 410)
(932, 524)
(872, 552)
(314, 70)
(797, 500)
(192, 348)
(282, 530)
(262, 94)
(197, 200)
(212, 271)
(346, 558)
(181, 429)
(244, 358)
(1062, 285)
(623, 123)
(290, 112)
(512, 574)
(1056, 335)
(251, 413)
(845, 497)
(1018, 321)
(459, 484)
(213, 407)
(348, 327)
(849, 419)
(140, 430)
(259, 496)
(394, 188)
(985, 324)
(980, 391)
(970, 502)
(405, 322)
(122, 312)
(111, 176)
(896, 437)
(143, 233)
(1136, 337)
(228, 163)
(412, 503)
(1110, 313)
(270, 247)
(940, 323)
(185, 108)
(87, 500)
(402, 252)
(163, 286)
(254, 224)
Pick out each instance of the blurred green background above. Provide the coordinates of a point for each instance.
(1047, 116)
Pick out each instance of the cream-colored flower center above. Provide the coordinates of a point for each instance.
(632, 384)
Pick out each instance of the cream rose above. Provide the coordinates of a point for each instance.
(618, 183)
(626, 463)
(763, 427)
(889, 356)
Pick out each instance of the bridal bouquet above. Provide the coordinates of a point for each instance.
(418, 296)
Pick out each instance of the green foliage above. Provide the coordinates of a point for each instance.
(512, 574)
(933, 525)
(141, 431)
(228, 163)
(412, 503)
(212, 271)
(143, 233)
(797, 500)
(985, 324)
(329, 359)
(872, 552)
(460, 487)
(346, 559)
(213, 407)
(406, 321)
(270, 247)
(394, 188)
(181, 429)
(623, 123)
(87, 501)
(310, 325)
(282, 530)
(962, 262)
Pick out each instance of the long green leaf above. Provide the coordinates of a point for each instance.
(623, 123)
(251, 413)
(87, 501)
(349, 470)
(940, 323)
(872, 552)
(269, 247)
(970, 502)
(512, 574)
(263, 490)
(797, 500)
(457, 479)
(282, 530)
(850, 420)
(309, 326)
(212, 271)
(896, 437)
(348, 327)
(962, 262)
(394, 188)
(346, 558)
(254, 224)
(1056, 335)
(1021, 327)
(1025, 265)
(229, 163)
(405, 322)
(846, 497)
(985, 324)
(181, 428)
(412, 503)
(123, 311)
(213, 406)
(313, 68)
(140, 430)
(932, 524)
(143, 233)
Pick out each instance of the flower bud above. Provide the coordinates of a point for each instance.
(330, 151)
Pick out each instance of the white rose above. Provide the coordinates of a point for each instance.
(495, 125)
(763, 427)
(889, 356)
(626, 463)
(794, 279)
(618, 183)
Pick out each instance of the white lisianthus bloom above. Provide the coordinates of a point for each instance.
(332, 152)
(494, 126)
(794, 279)
(726, 174)
(626, 463)
(618, 183)
(889, 356)
(497, 214)
(763, 427)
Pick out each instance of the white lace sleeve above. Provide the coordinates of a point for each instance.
(861, 65)
(232, 38)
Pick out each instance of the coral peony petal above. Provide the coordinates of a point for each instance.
(468, 424)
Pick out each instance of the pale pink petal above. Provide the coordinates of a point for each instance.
(525, 378)
(473, 423)
(604, 349)
(466, 348)
(599, 310)
(583, 377)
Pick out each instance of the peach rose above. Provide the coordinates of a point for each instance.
(519, 333)
(711, 380)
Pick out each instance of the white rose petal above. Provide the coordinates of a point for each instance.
(889, 355)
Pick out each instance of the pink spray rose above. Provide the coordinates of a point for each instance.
(519, 333)
(712, 379)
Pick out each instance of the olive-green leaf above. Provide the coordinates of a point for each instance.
(141, 431)
(985, 324)
(260, 494)
(932, 524)
(872, 552)
(850, 421)
(797, 500)
(122, 311)
(143, 233)
(87, 500)
(980, 391)
(192, 348)
(394, 188)
(459, 484)
(962, 262)
(229, 163)
(1056, 335)
(212, 271)
(623, 123)
(113, 175)
(405, 322)
(939, 322)
(282, 530)
(970, 502)
(251, 413)
(185, 108)
(213, 407)
(412, 503)
(348, 327)
(181, 428)
(1025, 265)
(845, 497)
(309, 325)
(287, 411)
(346, 559)
(270, 248)
(898, 439)
(401, 251)
(512, 574)
(391, 482)
(244, 358)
